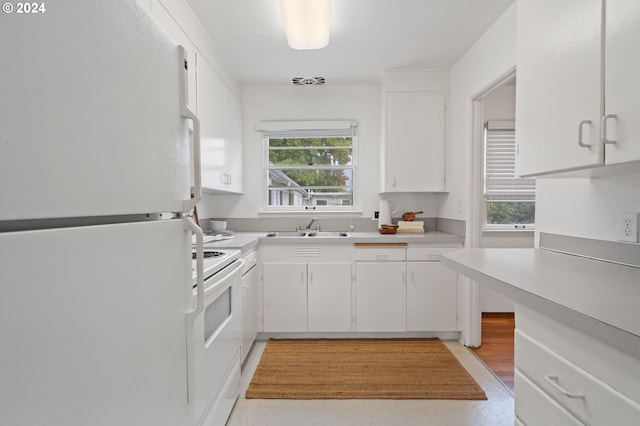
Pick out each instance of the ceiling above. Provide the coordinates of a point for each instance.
(367, 37)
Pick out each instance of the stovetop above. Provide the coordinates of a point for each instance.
(214, 261)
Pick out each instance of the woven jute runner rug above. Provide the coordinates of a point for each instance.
(361, 369)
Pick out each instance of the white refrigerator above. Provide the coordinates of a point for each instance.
(95, 246)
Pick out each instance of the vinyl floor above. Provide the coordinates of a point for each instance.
(497, 410)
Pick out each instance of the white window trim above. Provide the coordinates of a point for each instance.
(489, 227)
(271, 129)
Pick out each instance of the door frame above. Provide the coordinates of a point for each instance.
(471, 318)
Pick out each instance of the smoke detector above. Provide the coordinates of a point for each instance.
(308, 81)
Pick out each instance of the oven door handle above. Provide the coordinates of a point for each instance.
(221, 281)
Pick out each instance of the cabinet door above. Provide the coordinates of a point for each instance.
(210, 100)
(534, 407)
(414, 148)
(233, 143)
(381, 296)
(329, 301)
(622, 86)
(284, 297)
(250, 295)
(559, 85)
(432, 297)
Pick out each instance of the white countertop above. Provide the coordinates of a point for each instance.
(246, 240)
(598, 298)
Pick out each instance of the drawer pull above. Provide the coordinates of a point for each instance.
(553, 381)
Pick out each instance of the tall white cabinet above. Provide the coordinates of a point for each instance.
(576, 101)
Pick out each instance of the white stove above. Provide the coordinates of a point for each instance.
(216, 335)
(215, 260)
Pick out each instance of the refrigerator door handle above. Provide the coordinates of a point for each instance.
(190, 115)
(190, 225)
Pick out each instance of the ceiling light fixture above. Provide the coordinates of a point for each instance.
(306, 23)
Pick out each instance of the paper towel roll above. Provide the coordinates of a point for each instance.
(384, 213)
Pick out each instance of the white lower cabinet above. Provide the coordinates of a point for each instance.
(534, 407)
(329, 297)
(310, 292)
(405, 289)
(251, 295)
(284, 297)
(572, 374)
(432, 297)
(374, 289)
(381, 296)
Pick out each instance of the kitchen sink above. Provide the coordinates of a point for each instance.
(308, 234)
(328, 234)
(287, 234)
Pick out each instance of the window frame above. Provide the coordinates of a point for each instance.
(500, 125)
(310, 129)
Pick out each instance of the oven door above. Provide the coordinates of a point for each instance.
(216, 335)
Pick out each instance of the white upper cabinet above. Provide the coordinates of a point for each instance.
(414, 130)
(622, 85)
(220, 117)
(219, 112)
(233, 143)
(558, 95)
(414, 142)
(573, 73)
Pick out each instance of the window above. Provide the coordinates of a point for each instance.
(509, 200)
(309, 166)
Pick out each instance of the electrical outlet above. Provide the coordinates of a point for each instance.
(629, 227)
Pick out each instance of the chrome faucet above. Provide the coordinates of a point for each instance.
(310, 224)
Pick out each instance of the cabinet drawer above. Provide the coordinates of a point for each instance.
(427, 253)
(587, 397)
(380, 254)
(535, 408)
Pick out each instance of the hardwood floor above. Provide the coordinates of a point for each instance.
(497, 345)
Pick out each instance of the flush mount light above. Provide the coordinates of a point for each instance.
(306, 23)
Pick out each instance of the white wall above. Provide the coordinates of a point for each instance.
(359, 102)
(500, 104)
(586, 207)
(491, 57)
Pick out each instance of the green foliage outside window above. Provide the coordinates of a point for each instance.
(310, 171)
(313, 152)
(501, 213)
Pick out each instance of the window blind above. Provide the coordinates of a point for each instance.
(501, 182)
(318, 129)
